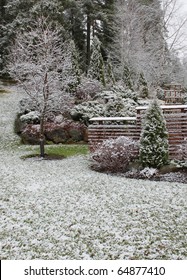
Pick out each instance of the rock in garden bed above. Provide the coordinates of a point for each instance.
(65, 132)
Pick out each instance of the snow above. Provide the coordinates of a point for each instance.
(64, 210)
(148, 172)
(164, 107)
(113, 119)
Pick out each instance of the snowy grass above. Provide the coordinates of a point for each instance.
(57, 150)
(64, 210)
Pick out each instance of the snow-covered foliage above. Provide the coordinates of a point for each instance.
(126, 77)
(143, 86)
(87, 89)
(148, 172)
(31, 117)
(140, 40)
(62, 210)
(42, 65)
(118, 101)
(26, 105)
(154, 138)
(114, 155)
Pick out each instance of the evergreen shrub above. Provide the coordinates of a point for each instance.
(154, 138)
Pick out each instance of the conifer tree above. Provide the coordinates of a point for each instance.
(127, 77)
(76, 72)
(109, 72)
(96, 68)
(154, 138)
(142, 86)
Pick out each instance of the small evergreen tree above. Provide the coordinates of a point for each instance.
(109, 72)
(75, 69)
(96, 70)
(154, 138)
(142, 86)
(127, 77)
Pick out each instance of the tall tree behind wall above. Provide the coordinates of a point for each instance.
(154, 41)
(98, 17)
(141, 43)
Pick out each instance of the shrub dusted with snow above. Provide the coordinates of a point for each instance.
(87, 89)
(32, 117)
(114, 155)
(154, 138)
(118, 101)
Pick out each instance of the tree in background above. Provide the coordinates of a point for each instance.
(76, 62)
(142, 86)
(42, 70)
(133, 32)
(127, 77)
(140, 41)
(109, 72)
(96, 70)
(154, 138)
(18, 15)
(99, 17)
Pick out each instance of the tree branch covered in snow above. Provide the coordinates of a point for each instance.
(41, 64)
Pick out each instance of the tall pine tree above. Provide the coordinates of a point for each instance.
(96, 68)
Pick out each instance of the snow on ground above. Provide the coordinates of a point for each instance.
(63, 210)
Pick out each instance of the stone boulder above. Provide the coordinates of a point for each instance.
(31, 134)
(55, 133)
(65, 132)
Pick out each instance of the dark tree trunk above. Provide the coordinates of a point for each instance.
(42, 138)
(2, 8)
(88, 35)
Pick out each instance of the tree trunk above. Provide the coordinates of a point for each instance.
(2, 8)
(42, 138)
(88, 41)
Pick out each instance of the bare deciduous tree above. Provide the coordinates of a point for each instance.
(175, 24)
(42, 66)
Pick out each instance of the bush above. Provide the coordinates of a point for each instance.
(118, 101)
(154, 138)
(114, 155)
(87, 89)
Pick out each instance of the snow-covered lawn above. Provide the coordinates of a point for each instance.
(63, 210)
